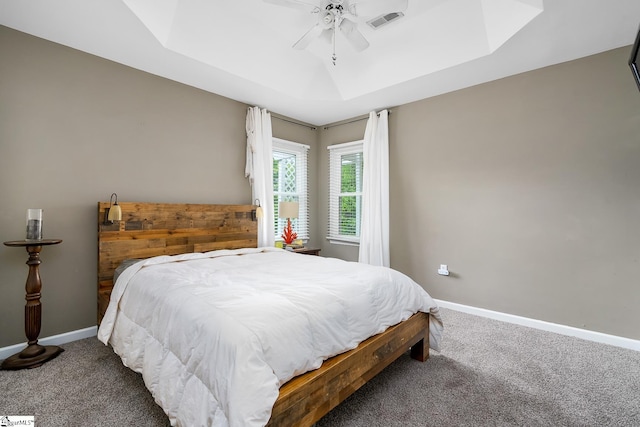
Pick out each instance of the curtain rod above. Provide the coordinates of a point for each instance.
(294, 122)
(359, 119)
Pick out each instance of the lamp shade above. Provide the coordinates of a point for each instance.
(115, 213)
(288, 210)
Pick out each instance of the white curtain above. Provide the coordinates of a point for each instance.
(374, 224)
(259, 170)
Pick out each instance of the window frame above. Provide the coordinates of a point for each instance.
(300, 224)
(336, 152)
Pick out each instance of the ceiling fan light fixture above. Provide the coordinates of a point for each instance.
(385, 19)
(328, 18)
(342, 16)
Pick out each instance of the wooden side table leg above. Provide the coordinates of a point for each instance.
(34, 354)
(33, 308)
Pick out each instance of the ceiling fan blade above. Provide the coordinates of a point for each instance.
(372, 8)
(305, 6)
(309, 36)
(326, 35)
(355, 37)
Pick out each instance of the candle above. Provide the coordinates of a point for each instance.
(34, 224)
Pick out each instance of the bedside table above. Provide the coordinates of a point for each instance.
(34, 354)
(307, 251)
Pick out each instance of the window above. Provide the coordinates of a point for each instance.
(345, 192)
(290, 185)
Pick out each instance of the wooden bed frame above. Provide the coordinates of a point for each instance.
(152, 229)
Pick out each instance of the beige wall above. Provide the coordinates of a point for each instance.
(526, 187)
(73, 129)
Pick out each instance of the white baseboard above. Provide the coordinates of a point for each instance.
(545, 326)
(52, 340)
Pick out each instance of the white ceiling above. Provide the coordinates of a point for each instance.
(241, 49)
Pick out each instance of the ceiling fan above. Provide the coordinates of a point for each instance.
(343, 16)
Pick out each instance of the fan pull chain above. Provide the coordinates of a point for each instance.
(335, 30)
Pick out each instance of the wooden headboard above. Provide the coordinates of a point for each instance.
(152, 229)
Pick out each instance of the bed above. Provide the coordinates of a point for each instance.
(154, 317)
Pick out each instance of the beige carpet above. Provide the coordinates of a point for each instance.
(489, 373)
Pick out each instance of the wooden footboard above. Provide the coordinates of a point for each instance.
(307, 398)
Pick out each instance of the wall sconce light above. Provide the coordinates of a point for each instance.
(113, 212)
(257, 213)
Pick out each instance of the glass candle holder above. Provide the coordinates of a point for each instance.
(34, 224)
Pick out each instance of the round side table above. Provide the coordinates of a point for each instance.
(34, 354)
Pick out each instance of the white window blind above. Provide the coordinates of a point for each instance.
(345, 192)
(290, 185)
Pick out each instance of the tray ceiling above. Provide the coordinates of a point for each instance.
(243, 49)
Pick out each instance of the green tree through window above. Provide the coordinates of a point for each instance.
(350, 193)
(345, 191)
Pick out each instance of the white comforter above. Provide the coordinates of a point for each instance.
(215, 334)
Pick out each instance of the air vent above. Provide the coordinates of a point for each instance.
(383, 20)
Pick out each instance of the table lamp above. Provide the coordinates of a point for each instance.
(288, 210)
